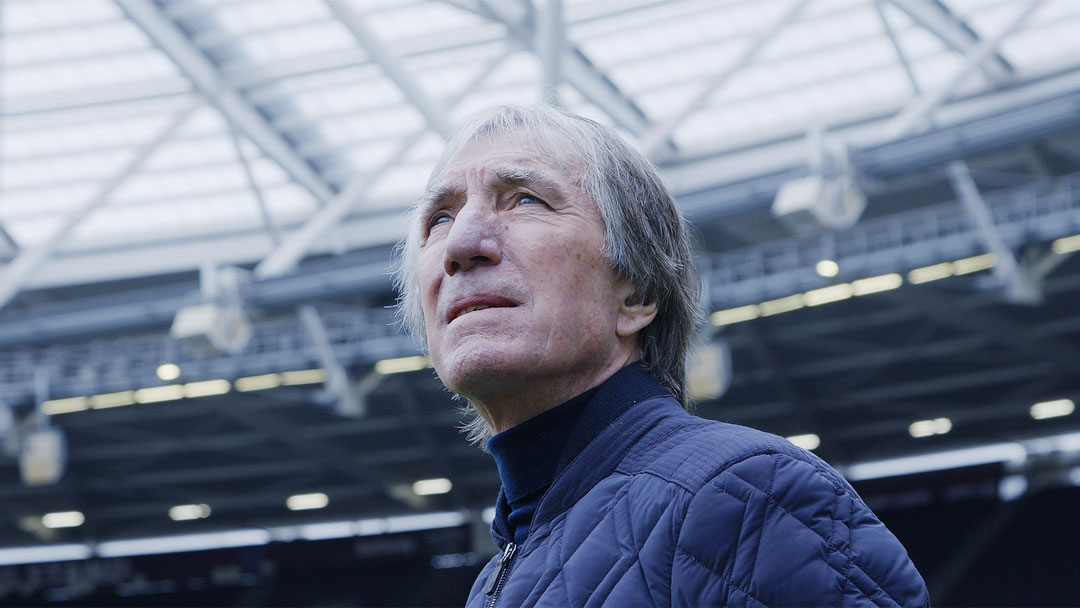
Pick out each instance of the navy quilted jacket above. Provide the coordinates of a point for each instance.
(664, 508)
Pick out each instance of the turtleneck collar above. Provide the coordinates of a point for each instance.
(531, 455)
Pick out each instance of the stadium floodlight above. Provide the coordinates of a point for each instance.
(219, 324)
(829, 198)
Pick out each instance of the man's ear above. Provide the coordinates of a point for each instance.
(633, 316)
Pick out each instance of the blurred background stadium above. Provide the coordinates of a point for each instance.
(204, 399)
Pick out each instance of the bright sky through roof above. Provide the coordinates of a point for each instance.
(84, 85)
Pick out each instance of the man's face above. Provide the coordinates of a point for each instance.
(514, 286)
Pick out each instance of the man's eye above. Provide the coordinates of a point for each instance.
(439, 218)
(528, 199)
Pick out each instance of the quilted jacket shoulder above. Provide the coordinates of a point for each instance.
(667, 509)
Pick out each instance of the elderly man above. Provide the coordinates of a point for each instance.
(548, 273)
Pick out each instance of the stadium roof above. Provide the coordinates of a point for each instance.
(143, 137)
(146, 142)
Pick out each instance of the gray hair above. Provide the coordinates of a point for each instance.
(646, 237)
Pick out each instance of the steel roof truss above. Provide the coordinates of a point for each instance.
(551, 37)
(8, 247)
(653, 140)
(165, 33)
(285, 257)
(433, 114)
(1020, 287)
(577, 69)
(896, 47)
(918, 113)
(955, 33)
(15, 274)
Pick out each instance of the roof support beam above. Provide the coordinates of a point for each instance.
(264, 211)
(1020, 287)
(284, 258)
(8, 246)
(916, 115)
(896, 47)
(15, 274)
(207, 79)
(551, 37)
(346, 401)
(577, 69)
(653, 141)
(433, 114)
(954, 32)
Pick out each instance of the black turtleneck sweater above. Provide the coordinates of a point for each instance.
(532, 454)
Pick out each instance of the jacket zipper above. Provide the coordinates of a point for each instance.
(498, 578)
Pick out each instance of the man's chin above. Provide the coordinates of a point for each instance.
(475, 374)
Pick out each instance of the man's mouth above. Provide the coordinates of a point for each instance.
(466, 311)
(466, 306)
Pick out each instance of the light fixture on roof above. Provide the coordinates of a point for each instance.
(878, 284)
(827, 268)
(206, 388)
(928, 428)
(1052, 409)
(257, 383)
(157, 394)
(735, 315)
(62, 519)
(429, 487)
(183, 542)
(303, 502)
(189, 512)
(1009, 453)
(403, 364)
(1066, 245)
(44, 554)
(219, 324)
(1012, 487)
(934, 272)
(829, 198)
(303, 376)
(52, 407)
(828, 295)
(808, 441)
(107, 400)
(168, 371)
(782, 305)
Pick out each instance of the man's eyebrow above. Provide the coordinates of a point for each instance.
(435, 198)
(526, 176)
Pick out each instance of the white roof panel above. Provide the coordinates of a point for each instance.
(84, 87)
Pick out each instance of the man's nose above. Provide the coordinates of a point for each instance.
(473, 239)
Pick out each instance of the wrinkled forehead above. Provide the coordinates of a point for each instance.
(553, 150)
